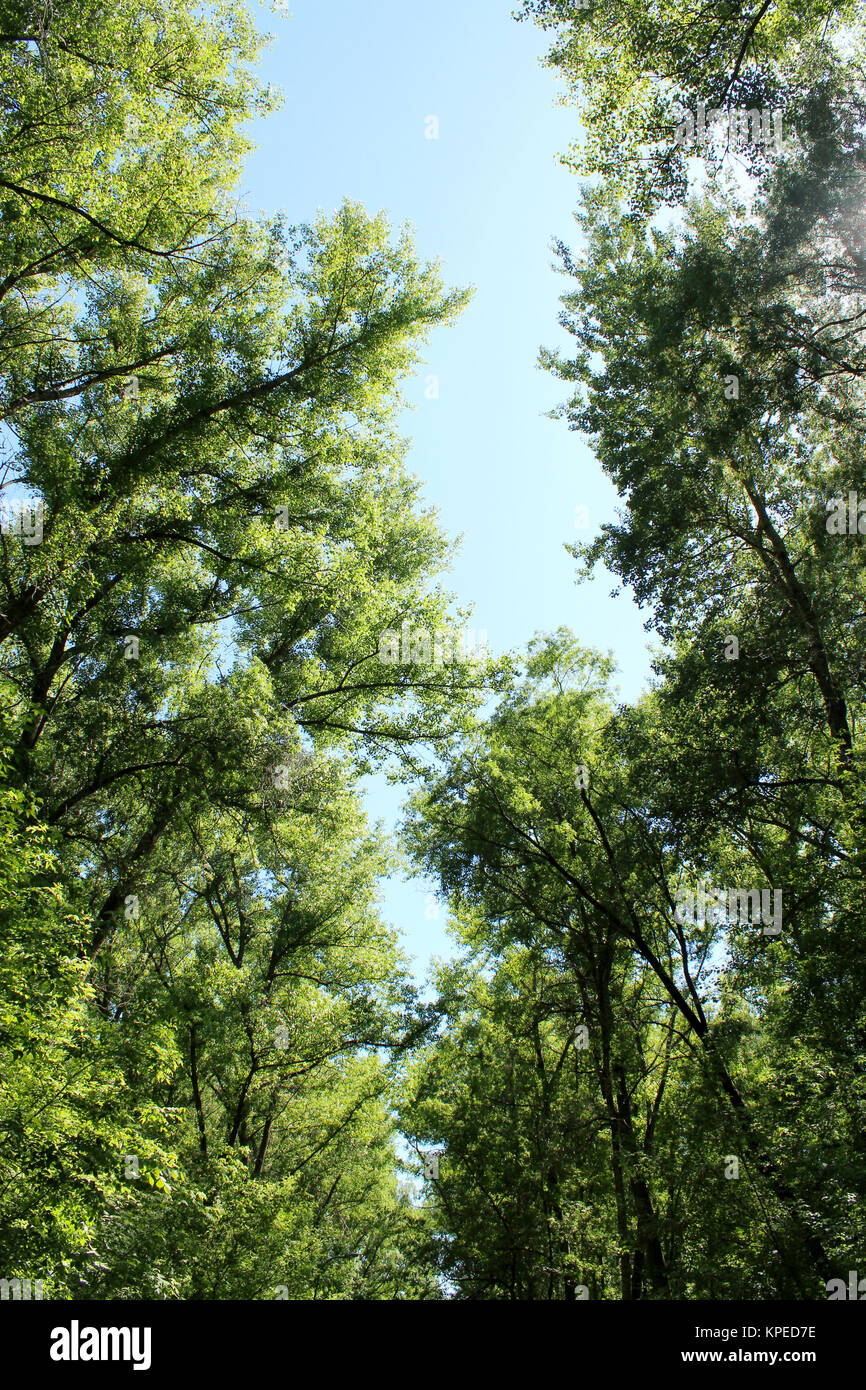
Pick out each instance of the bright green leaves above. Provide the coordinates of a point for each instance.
(634, 70)
(189, 657)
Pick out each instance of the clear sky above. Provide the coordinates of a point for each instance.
(359, 83)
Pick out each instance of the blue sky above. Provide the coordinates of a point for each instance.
(359, 84)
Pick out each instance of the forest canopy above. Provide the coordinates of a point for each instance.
(640, 1075)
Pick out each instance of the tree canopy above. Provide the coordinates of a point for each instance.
(641, 1074)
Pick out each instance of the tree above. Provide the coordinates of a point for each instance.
(643, 76)
(556, 839)
(212, 526)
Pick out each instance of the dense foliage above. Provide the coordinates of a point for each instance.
(201, 1006)
(642, 1074)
